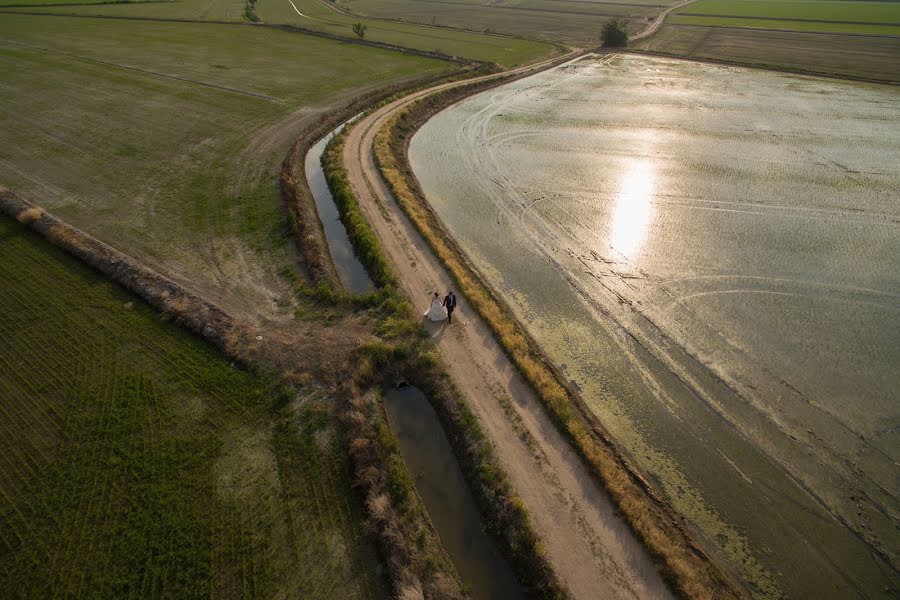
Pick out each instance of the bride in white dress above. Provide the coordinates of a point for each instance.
(437, 312)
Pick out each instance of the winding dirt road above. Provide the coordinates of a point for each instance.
(589, 545)
(656, 23)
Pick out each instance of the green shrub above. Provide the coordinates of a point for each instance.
(613, 34)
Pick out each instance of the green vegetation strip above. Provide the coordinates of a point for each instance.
(403, 351)
(136, 461)
(790, 25)
(869, 12)
(686, 566)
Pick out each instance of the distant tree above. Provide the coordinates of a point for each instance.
(613, 34)
(360, 30)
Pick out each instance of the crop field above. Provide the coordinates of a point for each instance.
(164, 139)
(137, 462)
(315, 15)
(571, 21)
(849, 16)
(840, 10)
(868, 57)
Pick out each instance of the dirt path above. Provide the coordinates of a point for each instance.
(590, 546)
(654, 25)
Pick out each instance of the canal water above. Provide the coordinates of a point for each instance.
(353, 275)
(443, 489)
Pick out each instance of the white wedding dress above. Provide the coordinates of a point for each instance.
(437, 312)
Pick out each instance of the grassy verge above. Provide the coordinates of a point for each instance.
(137, 461)
(691, 571)
(401, 350)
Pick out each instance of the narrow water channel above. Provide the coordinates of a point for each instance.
(447, 498)
(351, 272)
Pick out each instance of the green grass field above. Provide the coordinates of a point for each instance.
(165, 139)
(570, 21)
(831, 27)
(840, 10)
(317, 16)
(32, 3)
(137, 462)
(847, 16)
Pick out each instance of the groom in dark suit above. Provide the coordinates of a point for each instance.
(450, 305)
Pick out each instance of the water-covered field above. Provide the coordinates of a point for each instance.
(713, 256)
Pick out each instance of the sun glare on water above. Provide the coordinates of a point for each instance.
(633, 208)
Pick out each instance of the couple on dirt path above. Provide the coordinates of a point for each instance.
(442, 309)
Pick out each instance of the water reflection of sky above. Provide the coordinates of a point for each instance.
(633, 207)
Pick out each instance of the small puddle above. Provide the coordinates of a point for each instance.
(447, 498)
(351, 272)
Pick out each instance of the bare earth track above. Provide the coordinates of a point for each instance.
(592, 548)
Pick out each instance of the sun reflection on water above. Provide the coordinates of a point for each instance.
(633, 207)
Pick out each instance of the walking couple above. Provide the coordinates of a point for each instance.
(442, 309)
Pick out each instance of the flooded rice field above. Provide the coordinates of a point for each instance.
(712, 255)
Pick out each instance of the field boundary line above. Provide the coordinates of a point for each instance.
(759, 66)
(803, 31)
(343, 10)
(796, 19)
(172, 299)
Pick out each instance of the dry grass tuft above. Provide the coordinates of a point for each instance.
(411, 590)
(378, 506)
(30, 214)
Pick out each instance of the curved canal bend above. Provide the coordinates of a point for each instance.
(710, 253)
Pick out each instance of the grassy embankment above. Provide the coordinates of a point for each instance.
(689, 569)
(402, 351)
(137, 461)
